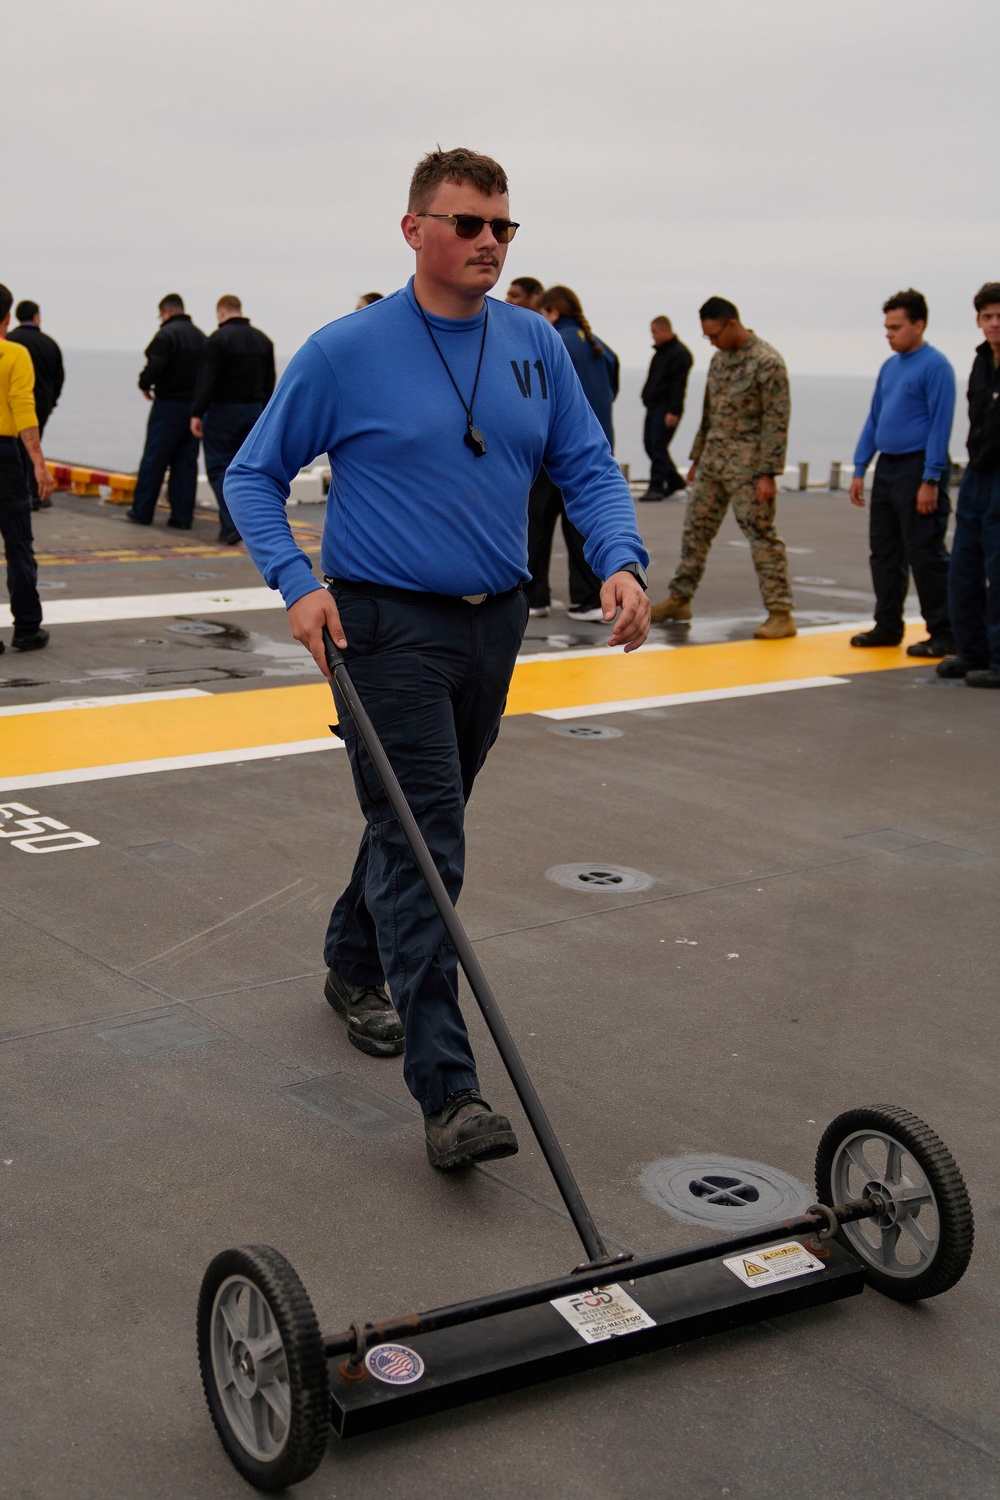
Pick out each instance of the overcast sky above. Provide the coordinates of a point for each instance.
(804, 160)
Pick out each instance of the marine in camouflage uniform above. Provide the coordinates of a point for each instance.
(743, 435)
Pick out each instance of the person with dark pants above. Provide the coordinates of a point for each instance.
(437, 407)
(168, 381)
(597, 368)
(20, 446)
(905, 539)
(234, 384)
(46, 356)
(663, 397)
(909, 426)
(974, 576)
(453, 702)
(545, 508)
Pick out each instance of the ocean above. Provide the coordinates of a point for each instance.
(101, 419)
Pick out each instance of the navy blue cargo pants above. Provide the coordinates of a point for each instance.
(227, 425)
(171, 445)
(433, 675)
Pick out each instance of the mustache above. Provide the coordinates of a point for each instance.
(482, 260)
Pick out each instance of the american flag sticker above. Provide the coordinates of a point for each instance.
(394, 1364)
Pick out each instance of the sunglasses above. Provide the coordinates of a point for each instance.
(469, 226)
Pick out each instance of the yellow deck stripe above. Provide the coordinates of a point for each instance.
(32, 744)
(538, 686)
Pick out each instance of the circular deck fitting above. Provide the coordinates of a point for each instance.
(600, 877)
(197, 627)
(723, 1191)
(587, 731)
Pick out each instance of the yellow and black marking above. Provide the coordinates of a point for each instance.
(221, 724)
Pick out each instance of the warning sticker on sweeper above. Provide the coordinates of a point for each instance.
(607, 1313)
(762, 1268)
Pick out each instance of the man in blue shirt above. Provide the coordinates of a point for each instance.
(909, 426)
(437, 407)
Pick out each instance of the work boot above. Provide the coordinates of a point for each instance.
(654, 493)
(779, 624)
(957, 666)
(670, 608)
(876, 637)
(467, 1130)
(372, 1023)
(935, 645)
(30, 640)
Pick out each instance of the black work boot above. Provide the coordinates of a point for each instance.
(467, 1130)
(957, 666)
(935, 645)
(372, 1023)
(30, 640)
(877, 637)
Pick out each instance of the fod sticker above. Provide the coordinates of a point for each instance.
(777, 1263)
(607, 1313)
(394, 1364)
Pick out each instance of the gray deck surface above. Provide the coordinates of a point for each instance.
(864, 975)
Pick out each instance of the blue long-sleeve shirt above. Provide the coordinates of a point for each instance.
(912, 409)
(410, 504)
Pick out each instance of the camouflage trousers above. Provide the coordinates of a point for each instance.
(710, 496)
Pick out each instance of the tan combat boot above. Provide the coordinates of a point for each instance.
(670, 608)
(779, 624)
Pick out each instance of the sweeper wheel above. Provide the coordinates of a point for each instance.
(263, 1366)
(921, 1245)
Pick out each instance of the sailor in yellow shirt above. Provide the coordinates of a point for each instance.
(20, 444)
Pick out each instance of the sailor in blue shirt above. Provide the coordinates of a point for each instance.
(909, 426)
(437, 407)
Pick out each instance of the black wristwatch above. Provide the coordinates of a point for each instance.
(638, 573)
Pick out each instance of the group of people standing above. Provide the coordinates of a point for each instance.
(739, 451)
(209, 390)
(737, 454)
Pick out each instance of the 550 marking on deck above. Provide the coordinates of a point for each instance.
(33, 833)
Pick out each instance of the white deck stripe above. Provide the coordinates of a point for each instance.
(58, 704)
(151, 606)
(675, 700)
(169, 763)
(233, 601)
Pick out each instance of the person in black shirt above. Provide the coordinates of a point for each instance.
(974, 571)
(46, 356)
(663, 398)
(168, 379)
(234, 384)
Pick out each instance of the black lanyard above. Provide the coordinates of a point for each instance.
(473, 437)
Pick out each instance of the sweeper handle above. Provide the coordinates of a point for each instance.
(552, 1151)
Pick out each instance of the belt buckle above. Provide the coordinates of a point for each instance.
(474, 598)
